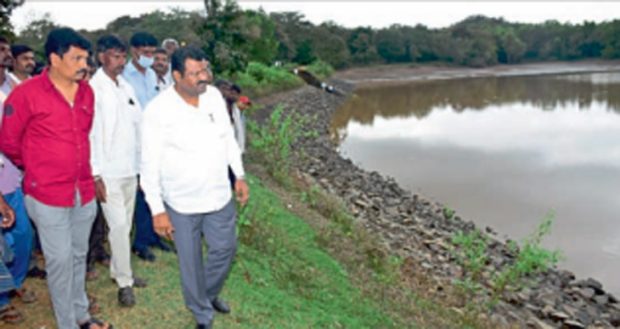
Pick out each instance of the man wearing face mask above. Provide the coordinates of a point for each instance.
(138, 72)
(141, 76)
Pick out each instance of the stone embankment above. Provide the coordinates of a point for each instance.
(420, 232)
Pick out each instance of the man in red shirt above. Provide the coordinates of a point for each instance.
(45, 131)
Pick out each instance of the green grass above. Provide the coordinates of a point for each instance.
(281, 279)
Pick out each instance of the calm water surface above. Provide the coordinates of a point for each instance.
(503, 152)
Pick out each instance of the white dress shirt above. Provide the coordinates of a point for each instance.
(239, 127)
(186, 152)
(115, 136)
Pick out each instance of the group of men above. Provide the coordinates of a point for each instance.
(149, 139)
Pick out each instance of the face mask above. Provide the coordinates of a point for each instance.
(145, 61)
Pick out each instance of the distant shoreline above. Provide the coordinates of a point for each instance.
(404, 73)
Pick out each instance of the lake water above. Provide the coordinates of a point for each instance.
(504, 152)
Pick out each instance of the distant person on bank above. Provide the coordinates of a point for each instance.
(187, 146)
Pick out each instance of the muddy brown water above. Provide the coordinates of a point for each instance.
(504, 152)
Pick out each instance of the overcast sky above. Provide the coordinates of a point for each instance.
(96, 14)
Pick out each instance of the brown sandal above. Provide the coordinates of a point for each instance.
(93, 306)
(25, 295)
(9, 314)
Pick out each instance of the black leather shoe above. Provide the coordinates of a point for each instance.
(126, 297)
(220, 306)
(144, 254)
(139, 282)
(203, 326)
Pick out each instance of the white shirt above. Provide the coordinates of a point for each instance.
(186, 152)
(115, 137)
(239, 127)
(15, 78)
(163, 85)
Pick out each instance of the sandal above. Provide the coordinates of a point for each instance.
(92, 275)
(93, 307)
(9, 314)
(94, 321)
(25, 295)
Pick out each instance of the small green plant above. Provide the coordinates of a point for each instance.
(311, 196)
(531, 259)
(448, 213)
(472, 253)
(273, 141)
(321, 69)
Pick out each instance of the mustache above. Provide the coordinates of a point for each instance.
(82, 71)
(203, 82)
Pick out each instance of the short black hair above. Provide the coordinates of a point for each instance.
(61, 39)
(143, 39)
(235, 87)
(177, 62)
(4, 40)
(17, 50)
(161, 51)
(108, 42)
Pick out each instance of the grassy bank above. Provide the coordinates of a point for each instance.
(282, 278)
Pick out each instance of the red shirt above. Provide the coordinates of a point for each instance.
(48, 138)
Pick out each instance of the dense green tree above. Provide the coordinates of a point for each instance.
(6, 8)
(233, 37)
(362, 46)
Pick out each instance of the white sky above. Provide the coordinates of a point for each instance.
(96, 14)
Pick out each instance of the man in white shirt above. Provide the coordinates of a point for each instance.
(161, 66)
(169, 45)
(115, 152)
(23, 64)
(187, 146)
(6, 61)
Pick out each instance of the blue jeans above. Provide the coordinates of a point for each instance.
(144, 233)
(19, 237)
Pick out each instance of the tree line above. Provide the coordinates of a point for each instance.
(234, 37)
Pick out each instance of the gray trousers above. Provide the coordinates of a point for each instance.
(202, 281)
(64, 236)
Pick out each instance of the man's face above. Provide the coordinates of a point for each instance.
(146, 51)
(113, 61)
(24, 63)
(230, 95)
(195, 79)
(170, 48)
(72, 65)
(160, 64)
(6, 59)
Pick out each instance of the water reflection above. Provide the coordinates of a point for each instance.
(503, 152)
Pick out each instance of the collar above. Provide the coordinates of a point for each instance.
(49, 86)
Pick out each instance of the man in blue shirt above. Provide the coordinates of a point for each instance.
(138, 71)
(143, 79)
